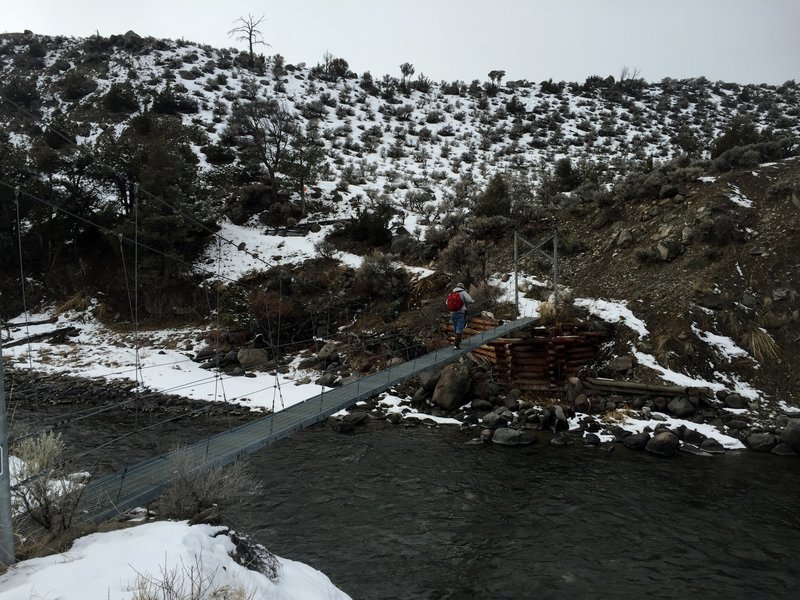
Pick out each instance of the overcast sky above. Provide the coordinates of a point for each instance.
(747, 41)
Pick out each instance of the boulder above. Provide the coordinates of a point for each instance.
(429, 379)
(713, 446)
(690, 436)
(452, 387)
(734, 401)
(636, 441)
(621, 364)
(625, 238)
(512, 437)
(783, 449)
(494, 421)
(669, 249)
(328, 353)
(664, 444)
(483, 405)
(252, 358)
(591, 439)
(561, 439)
(327, 380)
(762, 442)
(791, 434)
(349, 422)
(692, 449)
(581, 404)
(681, 407)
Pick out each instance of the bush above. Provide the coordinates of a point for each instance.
(47, 494)
(369, 226)
(198, 490)
(76, 85)
(120, 98)
(380, 276)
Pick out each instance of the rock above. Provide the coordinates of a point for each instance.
(791, 434)
(394, 418)
(749, 300)
(621, 364)
(511, 403)
(757, 250)
(780, 294)
(625, 238)
(690, 436)
(429, 379)
(452, 387)
(482, 405)
(734, 401)
(487, 434)
(394, 361)
(348, 422)
(512, 437)
(420, 396)
(252, 358)
(783, 449)
(327, 380)
(591, 439)
(636, 441)
(561, 439)
(692, 449)
(493, 421)
(713, 446)
(660, 403)
(560, 414)
(646, 413)
(669, 249)
(762, 442)
(681, 407)
(328, 353)
(737, 424)
(581, 404)
(664, 444)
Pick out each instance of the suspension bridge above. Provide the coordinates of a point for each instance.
(142, 483)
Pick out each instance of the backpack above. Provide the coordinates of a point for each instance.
(454, 301)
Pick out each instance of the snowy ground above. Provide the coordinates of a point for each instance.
(121, 564)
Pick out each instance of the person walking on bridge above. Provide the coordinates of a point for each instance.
(457, 302)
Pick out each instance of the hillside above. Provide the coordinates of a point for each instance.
(678, 197)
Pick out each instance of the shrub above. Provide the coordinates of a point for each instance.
(369, 226)
(198, 490)
(76, 85)
(47, 494)
(120, 98)
(380, 276)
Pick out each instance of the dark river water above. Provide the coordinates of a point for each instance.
(406, 513)
(417, 513)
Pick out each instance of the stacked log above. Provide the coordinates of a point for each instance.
(537, 358)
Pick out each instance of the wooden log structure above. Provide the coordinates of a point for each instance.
(538, 358)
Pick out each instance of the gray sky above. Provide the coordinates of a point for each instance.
(747, 41)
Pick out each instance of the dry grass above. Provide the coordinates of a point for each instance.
(762, 347)
(77, 302)
(616, 416)
(550, 314)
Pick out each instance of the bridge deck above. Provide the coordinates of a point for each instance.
(139, 484)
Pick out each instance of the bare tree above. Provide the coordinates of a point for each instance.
(246, 30)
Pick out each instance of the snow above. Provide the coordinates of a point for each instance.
(393, 405)
(737, 197)
(724, 345)
(790, 410)
(116, 564)
(638, 425)
(614, 311)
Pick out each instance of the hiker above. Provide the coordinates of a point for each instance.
(457, 302)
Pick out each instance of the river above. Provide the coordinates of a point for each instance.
(412, 513)
(394, 512)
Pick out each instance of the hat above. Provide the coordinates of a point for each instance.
(461, 285)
